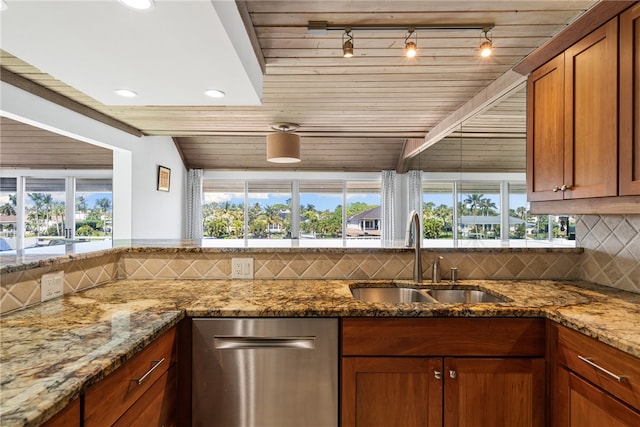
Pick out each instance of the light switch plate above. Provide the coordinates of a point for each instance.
(242, 268)
(51, 285)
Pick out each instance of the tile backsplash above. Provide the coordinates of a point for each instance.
(22, 288)
(611, 246)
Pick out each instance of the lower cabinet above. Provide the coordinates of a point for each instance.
(594, 384)
(438, 372)
(141, 392)
(67, 417)
(585, 405)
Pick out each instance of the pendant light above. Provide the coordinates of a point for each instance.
(283, 146)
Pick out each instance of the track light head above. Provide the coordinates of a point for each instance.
(411, 48)
(486, 47)
(347, 45)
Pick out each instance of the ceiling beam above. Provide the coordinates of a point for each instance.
(50, 95)
(500, 87)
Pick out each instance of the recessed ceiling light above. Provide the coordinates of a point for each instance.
(126, 93)
(214, 93)
(138, 4)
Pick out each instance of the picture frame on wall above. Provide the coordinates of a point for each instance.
(164, 178)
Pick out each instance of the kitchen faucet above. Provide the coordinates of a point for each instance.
(412, 237)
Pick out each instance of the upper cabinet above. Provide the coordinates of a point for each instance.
(630, 101)
(572, 133)
(583, 123)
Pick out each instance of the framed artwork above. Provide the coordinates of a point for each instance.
(164, 178)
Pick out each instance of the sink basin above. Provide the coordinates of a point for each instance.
(457, 296)
(392, 295)
(403, 295)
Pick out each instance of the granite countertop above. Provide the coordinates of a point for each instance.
(52, 352)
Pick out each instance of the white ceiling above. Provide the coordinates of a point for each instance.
(107, 46)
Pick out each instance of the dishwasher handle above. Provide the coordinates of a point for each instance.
(223, 342)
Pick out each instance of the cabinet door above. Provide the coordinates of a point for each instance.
(494, 392)
(67, 417)
(387, 391)
(156, 407)
(545, 131)
(630, 102)
(581, 404)
(591, 115)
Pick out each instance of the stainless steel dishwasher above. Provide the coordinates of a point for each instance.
(265, 372)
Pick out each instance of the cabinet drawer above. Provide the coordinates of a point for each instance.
(107, 400)
(156, 407)
(443, 336)
(67, 417)
(600, 364)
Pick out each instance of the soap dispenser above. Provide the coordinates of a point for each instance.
(435, 271)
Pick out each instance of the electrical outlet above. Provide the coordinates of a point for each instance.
(242, 268)
(51, 285)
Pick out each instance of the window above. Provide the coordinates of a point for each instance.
(363, 212)
(321, 212)
(437, 210)
(93, 209)
(223, 211)
(479, 210)
(269, 213)
(59, 209)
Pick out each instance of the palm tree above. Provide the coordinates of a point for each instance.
(487, 207)
(47, 200)
(473, 202)
(7, 209)
(37, 199)
(103, 204)
(81, 204)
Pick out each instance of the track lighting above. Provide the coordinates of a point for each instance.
(411, 48)
(486, 47)
(347, 45)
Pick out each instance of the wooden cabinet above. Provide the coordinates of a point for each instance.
(141, 390)
(630, 101)
(594, 384)
(451, 372)
(67, 417)
(392, 391)
(572, 127)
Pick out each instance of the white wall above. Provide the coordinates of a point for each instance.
(140, 211)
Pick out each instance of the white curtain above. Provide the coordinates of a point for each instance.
(194, 204)
(387, 214)
(414, 192)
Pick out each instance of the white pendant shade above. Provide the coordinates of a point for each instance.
(283, 147)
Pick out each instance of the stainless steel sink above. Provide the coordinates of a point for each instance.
(394, 295)
(457, 296)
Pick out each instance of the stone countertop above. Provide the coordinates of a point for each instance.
(51, 353)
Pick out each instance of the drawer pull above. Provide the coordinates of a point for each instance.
(619, 378)
(143, 378)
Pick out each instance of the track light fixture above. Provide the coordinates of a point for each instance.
(411, 48)
(347, 45)
(486, 47)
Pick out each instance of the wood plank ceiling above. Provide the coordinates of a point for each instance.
(355, 114)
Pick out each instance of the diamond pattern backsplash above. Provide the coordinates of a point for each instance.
(611, 250)
(21, 289)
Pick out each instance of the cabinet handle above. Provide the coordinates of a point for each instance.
(555, 189)
(437, 375)
(587, 360)
(143, 378)
(452, 374)
(564, 188)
